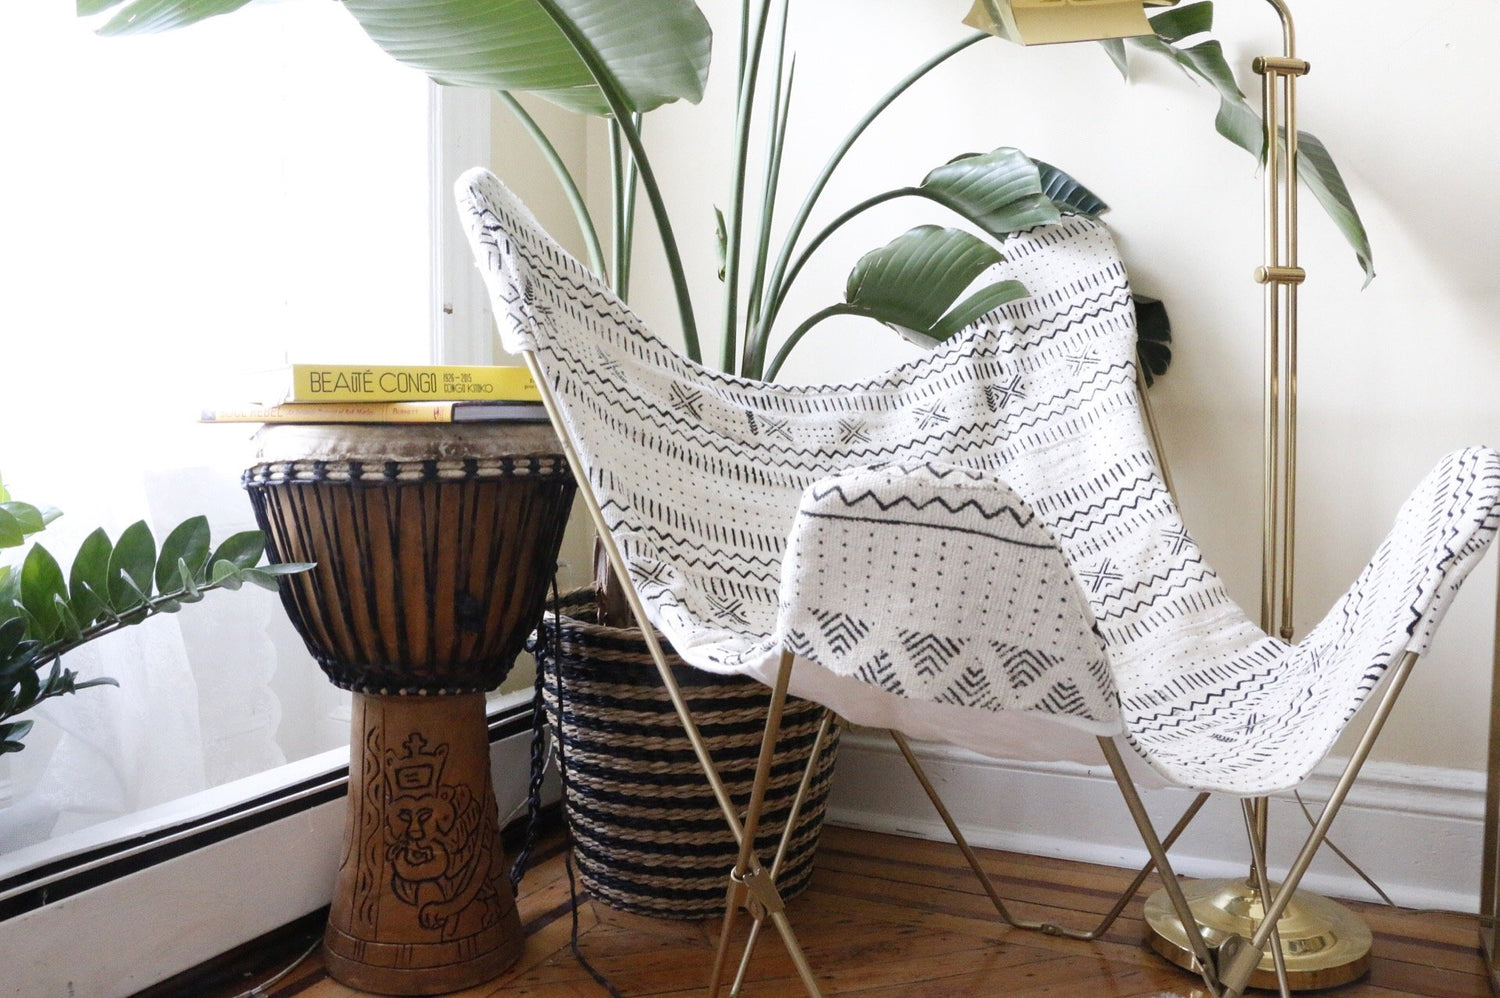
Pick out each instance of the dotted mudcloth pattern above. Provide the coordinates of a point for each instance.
(950, 590)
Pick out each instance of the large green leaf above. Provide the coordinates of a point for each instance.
(986, 299)
(999, 191)
(913, 281)
(135, 17)
(1067, 192)
(1241, 124)
(1177, 23)
(1319, 174)
(657, 50)
(28, 517)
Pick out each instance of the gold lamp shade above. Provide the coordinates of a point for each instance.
(1043, 22)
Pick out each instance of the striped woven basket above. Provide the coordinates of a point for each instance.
(648, 836)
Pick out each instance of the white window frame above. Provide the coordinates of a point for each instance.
(462, 323)
(188, 881)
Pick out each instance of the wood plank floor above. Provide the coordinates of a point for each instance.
(890, 917)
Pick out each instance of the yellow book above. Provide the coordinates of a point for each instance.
(397, 383)
(379, 412)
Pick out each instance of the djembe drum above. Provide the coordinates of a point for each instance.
(434, 545)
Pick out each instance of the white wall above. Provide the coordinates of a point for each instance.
(1392, 376)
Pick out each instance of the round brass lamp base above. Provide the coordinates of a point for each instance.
(1325, 944)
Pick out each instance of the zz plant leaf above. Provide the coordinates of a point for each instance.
(18, 520)
(44, 614)
(42, 583)
(88, 579)
(241, 550)
(132, 565)
(11, 533)
(184, 553)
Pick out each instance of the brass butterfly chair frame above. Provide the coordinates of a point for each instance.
(1227, 971)
(752, 883)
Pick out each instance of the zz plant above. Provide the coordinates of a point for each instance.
(45, 613)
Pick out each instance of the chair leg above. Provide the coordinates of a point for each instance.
(800, 798)
(1207, 966)
(1256, 820)
(1239, 957)
(750, 883)
(756, 882)
(988, 883)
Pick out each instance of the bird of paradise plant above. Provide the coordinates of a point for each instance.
(623, 60)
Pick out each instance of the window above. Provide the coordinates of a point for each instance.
(175, 209)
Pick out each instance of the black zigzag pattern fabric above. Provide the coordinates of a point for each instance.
(901, 530)
(930, 562)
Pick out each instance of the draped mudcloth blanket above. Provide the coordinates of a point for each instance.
(982, 530)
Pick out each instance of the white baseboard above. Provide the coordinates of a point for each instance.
(1417, 831)
(144, 927)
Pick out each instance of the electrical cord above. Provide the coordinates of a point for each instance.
(263, 988)
(562, 767)
(1370, 881)
(539, 759)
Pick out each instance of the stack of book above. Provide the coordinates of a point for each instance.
(407, 393)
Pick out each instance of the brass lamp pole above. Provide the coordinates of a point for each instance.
(1320, 944)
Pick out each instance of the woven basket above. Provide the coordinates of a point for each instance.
(648, 835)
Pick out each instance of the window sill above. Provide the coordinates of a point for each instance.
(200, 876)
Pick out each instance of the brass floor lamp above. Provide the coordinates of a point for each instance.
(1323, 943)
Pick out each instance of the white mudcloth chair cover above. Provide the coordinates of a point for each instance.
(982, 530)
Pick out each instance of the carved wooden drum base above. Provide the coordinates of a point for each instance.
(424, 903)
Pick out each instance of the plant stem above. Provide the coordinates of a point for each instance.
(610, 89)
(564, 177)
(632, 183)
(744, 113)
(801, 331)
(617, 205)
(762, 341)
(774, 286)
(744, 38)
(781, 97)
(152, 607)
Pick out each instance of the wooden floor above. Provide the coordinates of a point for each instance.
(890, 917)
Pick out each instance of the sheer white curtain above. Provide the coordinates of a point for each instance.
(165, 223)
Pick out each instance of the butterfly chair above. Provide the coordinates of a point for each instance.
(975, 547)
